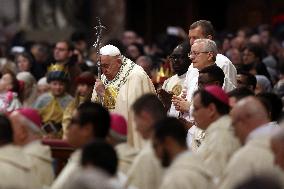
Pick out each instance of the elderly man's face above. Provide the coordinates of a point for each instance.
(110, 66)
(239, 124)
(199, 57)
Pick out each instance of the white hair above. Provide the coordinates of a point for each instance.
(209, 45)
(30, 90)
(42, 81)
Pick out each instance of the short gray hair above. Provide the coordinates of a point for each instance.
(209, 45)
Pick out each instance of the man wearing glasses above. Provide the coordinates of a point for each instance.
(203, 29)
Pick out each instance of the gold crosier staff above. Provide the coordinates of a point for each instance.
(97, 45)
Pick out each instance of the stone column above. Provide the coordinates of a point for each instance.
(112, 14)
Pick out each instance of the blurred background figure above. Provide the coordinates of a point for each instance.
(84, 88)
(42, 86)
(99, 167)
(29, 90)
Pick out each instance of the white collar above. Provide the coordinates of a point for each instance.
(265, 129)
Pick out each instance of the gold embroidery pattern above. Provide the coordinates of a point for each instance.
(110, 97)
(113, 86)
(177, 90)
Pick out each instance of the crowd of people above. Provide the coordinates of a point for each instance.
(197, 111)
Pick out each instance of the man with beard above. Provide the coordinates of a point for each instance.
(185, 170)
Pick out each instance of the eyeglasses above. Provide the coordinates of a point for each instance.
(193, 53)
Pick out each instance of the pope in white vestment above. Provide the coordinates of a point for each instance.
(187, 171)
(130, 82)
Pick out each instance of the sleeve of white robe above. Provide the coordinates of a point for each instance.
(146, 171)
(230, 81)
(248, 161)
(217, 150)
(137, 84)
(237, 171)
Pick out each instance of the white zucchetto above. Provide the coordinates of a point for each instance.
(109, 50)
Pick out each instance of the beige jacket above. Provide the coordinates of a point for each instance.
(187, 171)
(69, 170)
(40, 156)
(146, 171)
(16, 169)
(126, 155)
(218, 145)
(253, 159)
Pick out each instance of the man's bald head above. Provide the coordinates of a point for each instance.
(251, 106)
(248, 114)
(277, 147)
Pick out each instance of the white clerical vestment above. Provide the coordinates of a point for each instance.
(16, 169)
(254, 158)
(126, 155)
(68, 171)
(187, 171)
(92, 178)
(191, 85)
(146, 171)
(130, 83)
(230, 71)
(40, 156)
(218, 145)
(174, 85)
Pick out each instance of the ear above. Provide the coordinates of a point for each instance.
(211, 55)
(87, 130)
(168, 142)
(212, 109)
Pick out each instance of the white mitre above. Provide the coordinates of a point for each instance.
(109, 50)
